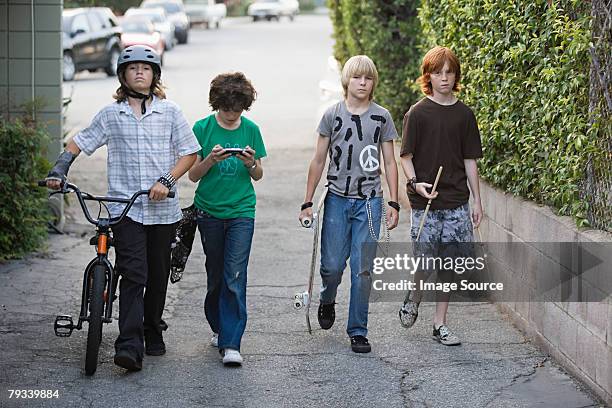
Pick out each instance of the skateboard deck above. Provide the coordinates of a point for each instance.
(305, 299)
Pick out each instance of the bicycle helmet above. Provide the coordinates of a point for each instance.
(138, 53)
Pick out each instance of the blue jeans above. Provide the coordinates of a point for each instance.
(227, 245)
(345, 228)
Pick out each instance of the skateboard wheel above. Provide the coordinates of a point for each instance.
(300, 300)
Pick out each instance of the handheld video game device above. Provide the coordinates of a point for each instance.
(234, 150)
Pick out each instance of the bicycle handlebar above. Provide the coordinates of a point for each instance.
(83, 196)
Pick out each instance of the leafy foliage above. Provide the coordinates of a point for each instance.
(23, 209)
(525, 68)
(388, 32)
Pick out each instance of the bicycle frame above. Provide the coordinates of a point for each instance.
(103, 241)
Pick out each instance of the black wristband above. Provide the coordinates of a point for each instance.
(395, 205)
(62, 165)
(413, 182)
(411, 185)
(306, 205)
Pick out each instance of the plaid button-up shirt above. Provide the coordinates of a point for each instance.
(139, 152)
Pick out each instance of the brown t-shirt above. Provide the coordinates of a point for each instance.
(441, 135)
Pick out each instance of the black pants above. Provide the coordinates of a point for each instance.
(143, 260)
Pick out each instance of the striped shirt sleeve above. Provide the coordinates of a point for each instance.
(94, 136)
(183, 137)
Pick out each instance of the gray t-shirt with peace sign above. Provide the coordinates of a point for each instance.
(354, 149)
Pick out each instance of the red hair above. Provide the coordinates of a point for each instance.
(434, 61)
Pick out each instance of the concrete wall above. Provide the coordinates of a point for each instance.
(32, 69)
(576, 334)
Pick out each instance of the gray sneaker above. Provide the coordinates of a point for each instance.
(443, 335)
(408, 314)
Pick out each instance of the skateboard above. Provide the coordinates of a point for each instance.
(304, 299)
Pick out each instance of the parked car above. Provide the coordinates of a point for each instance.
(140, 31)
(273, 9)
(208, 13)
(176, 13)
(90, 41)
(160, 21)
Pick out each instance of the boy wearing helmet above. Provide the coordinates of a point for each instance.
(150, 146)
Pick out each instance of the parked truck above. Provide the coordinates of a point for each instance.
(208, 13)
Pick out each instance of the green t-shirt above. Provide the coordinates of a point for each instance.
(226, 190)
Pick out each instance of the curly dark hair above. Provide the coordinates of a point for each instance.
(231, 92)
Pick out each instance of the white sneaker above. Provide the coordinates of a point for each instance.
(214, 340)
(443, 335)
(408, 314)
(232, 357)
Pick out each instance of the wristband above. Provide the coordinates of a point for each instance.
(411, 185)
(395, 205)
(306, 205)
(167, 180)
(62, 165)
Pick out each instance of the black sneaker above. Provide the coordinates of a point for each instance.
(326, 315)
(154, 344)
(125, 359)
(360, 344)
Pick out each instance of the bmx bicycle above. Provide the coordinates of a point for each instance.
(100, 278)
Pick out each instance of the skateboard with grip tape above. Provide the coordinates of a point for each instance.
(303, 300)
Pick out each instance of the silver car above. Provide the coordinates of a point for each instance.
(160, 21)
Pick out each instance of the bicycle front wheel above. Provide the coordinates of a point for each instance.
(96, 311)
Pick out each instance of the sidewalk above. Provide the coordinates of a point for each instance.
(284, 365)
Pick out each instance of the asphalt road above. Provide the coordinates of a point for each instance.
(284, 365)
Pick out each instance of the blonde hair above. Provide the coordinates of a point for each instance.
(359, 65)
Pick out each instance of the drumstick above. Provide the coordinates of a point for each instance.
(433, 190)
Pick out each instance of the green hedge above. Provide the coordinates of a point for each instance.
(23, 208)
(388, 32)
(526, 68)
(525, 73)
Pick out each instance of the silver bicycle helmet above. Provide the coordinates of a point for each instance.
(139, 53)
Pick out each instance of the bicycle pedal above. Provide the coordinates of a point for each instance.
(63, 326)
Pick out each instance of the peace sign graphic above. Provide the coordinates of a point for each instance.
(369, 163)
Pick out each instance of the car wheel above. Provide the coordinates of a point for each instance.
(217, 25)
(111, 68)
(183, 38)
(291, 17)
(68, 67)
(255, 19)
